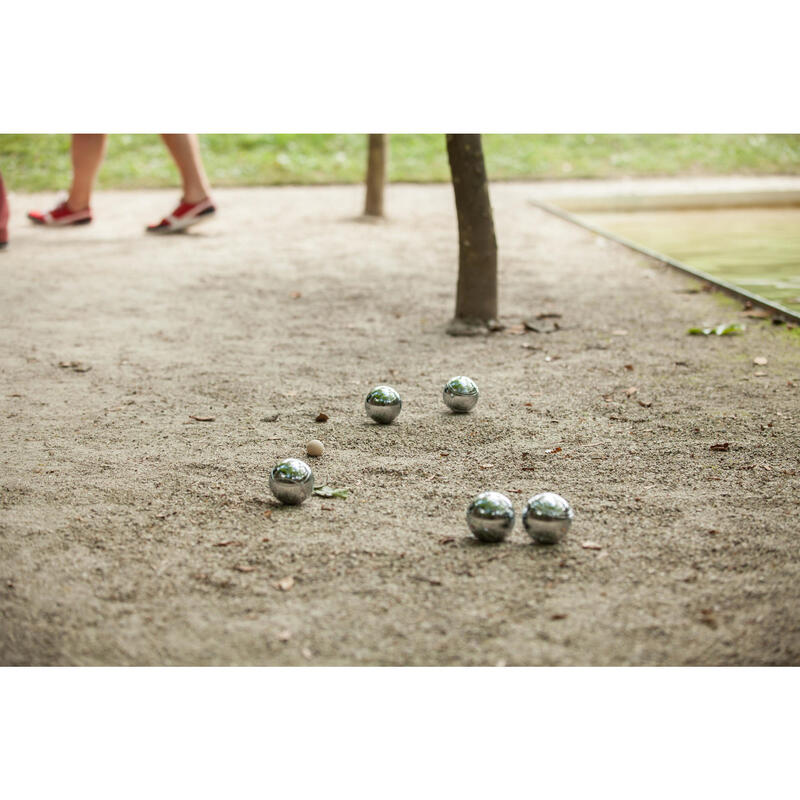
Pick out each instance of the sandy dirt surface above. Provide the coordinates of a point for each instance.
(115, 505)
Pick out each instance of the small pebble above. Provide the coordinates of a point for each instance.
(315, 448)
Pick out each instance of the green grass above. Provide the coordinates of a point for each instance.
(33, 162)
(763, 256)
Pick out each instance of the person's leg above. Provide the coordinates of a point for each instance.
(196, 204)
(3, 215)
(185, 149)
(88, 150)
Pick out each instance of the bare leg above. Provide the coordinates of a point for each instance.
(88, 150)
(185, 149)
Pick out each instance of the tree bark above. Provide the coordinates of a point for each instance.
(376, 174)
(3, 214)
(476, 292)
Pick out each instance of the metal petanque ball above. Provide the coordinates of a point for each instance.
(547, 517)
(383, 404)
(490, 516)
(460, 394)
(291, 481)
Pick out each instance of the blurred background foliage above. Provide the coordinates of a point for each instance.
(40, 162)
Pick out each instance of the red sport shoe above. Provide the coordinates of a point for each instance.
(185, 215)
(61, 215)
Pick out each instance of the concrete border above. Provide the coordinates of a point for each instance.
(682, 201)
(778, 310)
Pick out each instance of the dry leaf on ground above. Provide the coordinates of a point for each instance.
(329, 491)
(425, 579)
(541, 327)
(707, 617)
(75, 366)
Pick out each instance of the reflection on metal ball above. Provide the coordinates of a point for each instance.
(547, 517)
(291, 481)
(490, 516)
(383, 404)
(460, 394)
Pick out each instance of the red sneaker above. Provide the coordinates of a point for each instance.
(184, 216)
(61, 215)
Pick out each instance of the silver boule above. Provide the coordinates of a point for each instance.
(490, 516)
(291, 481)
(547, 517)
(460, 394)
(383, 404)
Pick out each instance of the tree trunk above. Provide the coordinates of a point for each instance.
(3, 215)
(376, 174)
(476, 293)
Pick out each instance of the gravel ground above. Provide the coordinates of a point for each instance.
(131, 533)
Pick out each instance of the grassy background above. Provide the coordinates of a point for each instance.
(34, 162)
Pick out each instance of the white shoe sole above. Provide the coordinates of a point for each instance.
(180, 225)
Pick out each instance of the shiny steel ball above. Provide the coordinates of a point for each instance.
(291, 481)
(547, 517)
(490, 516)
(460, 394)
(383, 404)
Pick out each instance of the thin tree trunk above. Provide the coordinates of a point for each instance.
(376, 174)
(3, 214)
(476, 292)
